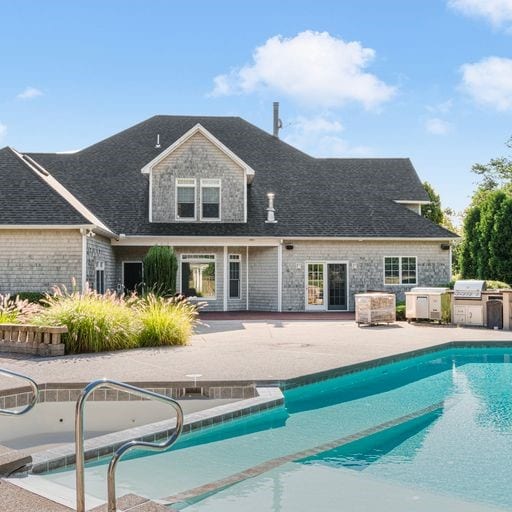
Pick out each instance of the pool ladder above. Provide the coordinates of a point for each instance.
(126, 447)
(35, 393)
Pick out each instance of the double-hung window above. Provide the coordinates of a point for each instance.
(198, 275)
(210, 199)
(99, 278)
(234, 276)
(185, 199)
(400, 270)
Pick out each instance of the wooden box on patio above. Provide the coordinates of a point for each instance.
(375, 308)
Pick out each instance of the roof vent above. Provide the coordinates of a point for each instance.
(270, 209)
(278, 124)
(157, 145)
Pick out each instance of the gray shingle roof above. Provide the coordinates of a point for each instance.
(27, 199)
(314, 197)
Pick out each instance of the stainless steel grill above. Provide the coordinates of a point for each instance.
(468, 289)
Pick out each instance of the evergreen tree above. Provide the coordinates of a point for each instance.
(432, 211)
(160, 267)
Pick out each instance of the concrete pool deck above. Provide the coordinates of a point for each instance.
(237, 350)
(248, 350)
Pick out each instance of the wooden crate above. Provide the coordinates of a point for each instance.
(375, 308)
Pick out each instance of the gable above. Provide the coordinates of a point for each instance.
(194, 131)
(198, 162)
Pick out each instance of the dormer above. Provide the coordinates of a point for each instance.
(198, 179)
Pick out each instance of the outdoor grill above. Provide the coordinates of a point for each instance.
(469, 289)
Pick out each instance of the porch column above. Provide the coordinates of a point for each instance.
(247, 278)
(280, 277)
(226, 282)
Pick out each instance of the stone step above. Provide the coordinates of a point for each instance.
(12, 460)
(134, 503)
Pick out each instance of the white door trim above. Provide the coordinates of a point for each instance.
(309, 307)
(325, 305)
(347, 287)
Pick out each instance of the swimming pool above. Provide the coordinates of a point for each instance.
(432, 431)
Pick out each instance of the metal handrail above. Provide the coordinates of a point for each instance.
(35, 394)
(130, 445)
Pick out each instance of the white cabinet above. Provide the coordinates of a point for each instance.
(468, 315)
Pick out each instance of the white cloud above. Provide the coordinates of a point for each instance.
(321, 137)
(489, 82)
(437, 126)
(29, 93)
(3, 130)
(313, 68)
(440, 108)
(497, 12)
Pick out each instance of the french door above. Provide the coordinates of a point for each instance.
(326, 286)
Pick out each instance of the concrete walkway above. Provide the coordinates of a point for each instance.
(249, 350)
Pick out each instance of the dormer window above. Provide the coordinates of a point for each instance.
(210, 199)
(185, 199)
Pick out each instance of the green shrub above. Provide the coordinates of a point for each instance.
(165, 321)
(34, 297)
(160, 267)
(400, 310)
(496, 285)
(14, 310)
(95, 322)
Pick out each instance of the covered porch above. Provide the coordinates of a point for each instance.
(228, 275)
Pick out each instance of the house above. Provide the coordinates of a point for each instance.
(256, 223)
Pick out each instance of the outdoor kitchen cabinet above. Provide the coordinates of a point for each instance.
(468, 315)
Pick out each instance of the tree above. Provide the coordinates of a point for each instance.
(486, 251)
(160, 267)
(496, 174)
(432, 211)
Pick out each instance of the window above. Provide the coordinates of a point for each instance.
(198, 275)
(234, 276)
(210, 199)
(99, 281)
(400, 270)
(186, 199)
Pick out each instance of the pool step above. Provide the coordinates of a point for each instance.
(199, 493)
(12, 460)
(134, 503)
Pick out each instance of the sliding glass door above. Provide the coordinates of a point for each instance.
(326, 286)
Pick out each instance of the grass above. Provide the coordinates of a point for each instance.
(165, 321)
(105, 322)
(95, 322)
(14, 310)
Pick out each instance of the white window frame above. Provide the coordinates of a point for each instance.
(400, 258)
(235, 258)
(210, 183)
(198, 258)
(185, 183)
(100, 267)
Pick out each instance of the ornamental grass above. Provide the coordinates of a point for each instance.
(14, 310)
(96, 322)
(165, 321)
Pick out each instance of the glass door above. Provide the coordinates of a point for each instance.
(337, 286)
(315, 286)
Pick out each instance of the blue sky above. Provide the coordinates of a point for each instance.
(431, 80)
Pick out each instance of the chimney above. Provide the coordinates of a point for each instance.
(278, 124)
(270, 209)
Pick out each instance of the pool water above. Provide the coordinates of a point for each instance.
(446, 444)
